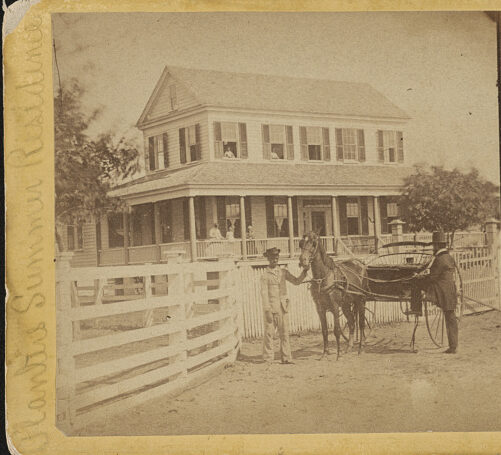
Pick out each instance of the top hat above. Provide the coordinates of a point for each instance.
(438, 237)
(271, 252)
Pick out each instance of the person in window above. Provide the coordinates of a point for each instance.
(230, 235)
(274, 154)
(228, 153)
(215, 233)
(276, 305)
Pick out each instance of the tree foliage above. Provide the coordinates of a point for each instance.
(86, 168)
(438, 199)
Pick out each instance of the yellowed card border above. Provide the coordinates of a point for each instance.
(30, 309)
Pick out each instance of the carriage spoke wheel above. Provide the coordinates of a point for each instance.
(434, 316)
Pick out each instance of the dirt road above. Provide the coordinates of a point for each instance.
(386, 389)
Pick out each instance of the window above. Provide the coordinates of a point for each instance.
(189, 144)
(315, 143)
(115, 230)
(353, 216)
(228, 214)
(277, 142)
(277, 221)
(350, 144)
(392, 209)
(233, 214)
(173, 97)
(158, 156)
(74, 235)
(142, 225)
(166, 220)
(230, 140)
(390, 145)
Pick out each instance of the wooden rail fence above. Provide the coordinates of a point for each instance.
(129, 334)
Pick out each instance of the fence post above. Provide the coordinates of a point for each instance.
(397, 232)
(65, 365)
(492, 234)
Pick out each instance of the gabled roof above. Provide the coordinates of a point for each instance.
(279, 93)
(269, 175)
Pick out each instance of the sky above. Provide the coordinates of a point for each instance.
(439, 67)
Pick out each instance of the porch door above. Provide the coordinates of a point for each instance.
(318, 223)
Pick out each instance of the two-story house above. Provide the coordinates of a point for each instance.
(281, 154)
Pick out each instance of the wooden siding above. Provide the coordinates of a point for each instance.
(87, 257)
(162, 105)
(254, 124)
(172, 129)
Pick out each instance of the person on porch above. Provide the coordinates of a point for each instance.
(215, 233)
(276, 306)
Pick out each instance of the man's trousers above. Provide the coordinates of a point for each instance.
(282, 324)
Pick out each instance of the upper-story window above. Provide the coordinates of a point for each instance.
(230, 140)
(278, 142)
(315, 143)
(350, 144)
(173, 97)
(74, 235)
(189, 144)
(158, 156)
(390, 146)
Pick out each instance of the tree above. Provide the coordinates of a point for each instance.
(86, 168)
(436, 199)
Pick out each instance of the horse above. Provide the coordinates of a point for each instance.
(335, 284)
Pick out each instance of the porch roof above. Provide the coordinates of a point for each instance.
(242, 176)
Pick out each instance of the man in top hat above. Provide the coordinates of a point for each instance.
(276, 305)
(440, 283)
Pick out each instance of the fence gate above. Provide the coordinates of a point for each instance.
(128, 334)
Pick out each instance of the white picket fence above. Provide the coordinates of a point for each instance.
(129, 334)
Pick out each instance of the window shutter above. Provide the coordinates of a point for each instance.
(186, 218)
(339, 144)
(383, 211)
(380, 146)
(218, 142)
(365, 215)
(248, 211)
(270, 217)
(166, 150)
(200, 217)
(361, 145)
(197, 139)
(304, 143)
(343, 221)
(221, 214)
(290, 142)
(151, 153)
(326, 142)
(182, 145)
(400, 146)
(295, 219)
(242, 129)
(266, 142)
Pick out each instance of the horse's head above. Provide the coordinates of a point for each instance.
(309, 247)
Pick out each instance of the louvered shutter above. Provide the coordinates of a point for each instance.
(361, 145)
(383, 210)
(380, 146)
(364, 211)
(248, 211)
(182, 145)
(270, 217)
(295, 219)
(326, 144)
(166, 149)
(343, 220)
(266, 142)
(339, 144)
(400, 146)
(151, 153)
(186, 218)
(221, 214)
(218, 142)
(290, 142)
(242, 129)
(304, 143)
(198, 144)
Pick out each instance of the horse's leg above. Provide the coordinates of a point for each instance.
(360, 304)
(337, 326)
(325, 334)
(350, 318)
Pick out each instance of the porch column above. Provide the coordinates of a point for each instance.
(193, 232)
(158, 229)
(377, 221)
(291, 226)
(335, 224)
(243, 228)
(126, 236)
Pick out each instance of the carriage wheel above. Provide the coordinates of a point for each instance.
(435, 321)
